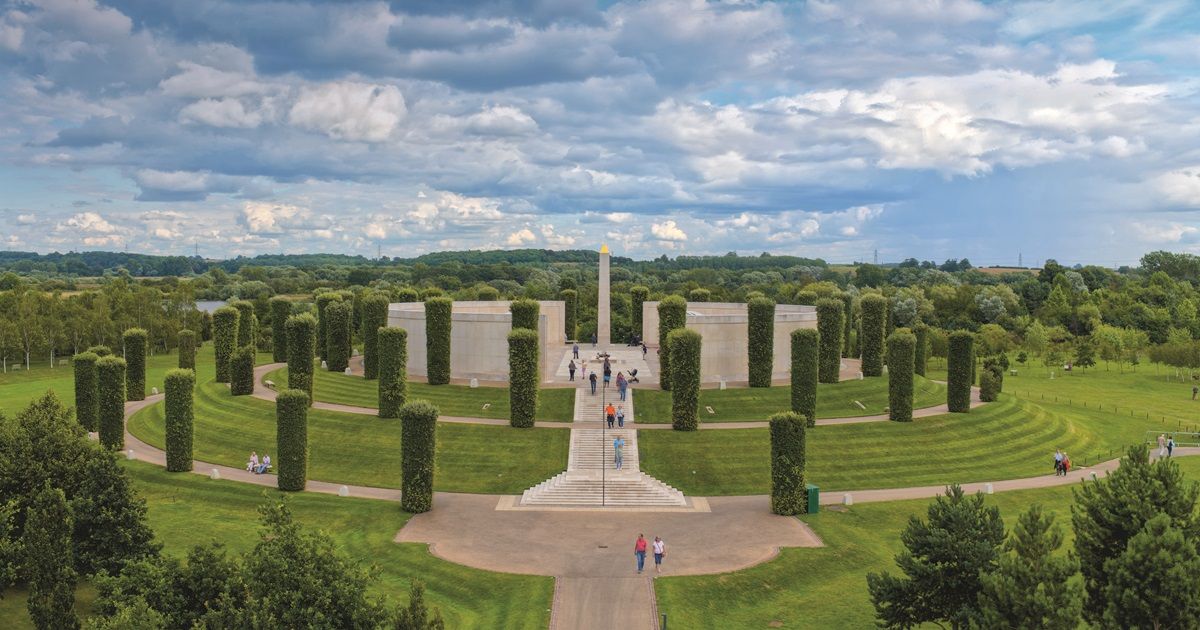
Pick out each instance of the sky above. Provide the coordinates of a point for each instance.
(934, 129)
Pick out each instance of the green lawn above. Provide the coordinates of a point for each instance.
(365, 450)
(554, 405)
(748, 404)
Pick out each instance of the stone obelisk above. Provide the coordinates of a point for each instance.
(603, 316)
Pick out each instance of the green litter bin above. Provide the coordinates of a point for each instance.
(814, 498)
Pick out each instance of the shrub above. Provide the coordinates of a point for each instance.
(302, 348)
(806, 298)
(699, 295)
(684, 347)
(225, 334)
(788, 491)
(408, 294)
(672, 315)
(760, 341)
(570, 298)
(241, 371)
(637, 297)
(525, 314)
(291, 438)
(393, 371)
(847, 322)
(134, 341)
(281, 309)
(870, 338)
(247, 323)
(991, 379)
(959, 366)
(437, 339)
(522, 377)
(901, 345)
(50, 561)
(180, 389)
(187, 349)
(86, 390)
(375, 316)
(829, 329)
(921, 351)
(418, 438)
(110, 410)
(487, 294)
(323, 301)
(337, 336)
(805, 352)
(100, 351)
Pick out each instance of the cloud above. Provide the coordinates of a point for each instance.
(89, 223)
(668, 231)
(226, 112)
(350, 110)
(1180, 187)
(524, 236)
(1165, 232)
(262, 218)
(501, 121)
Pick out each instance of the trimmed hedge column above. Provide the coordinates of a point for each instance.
(337, 336)
(323, 301)
(684, 346)
(525, 314)
(901, 346)
(241, 371)
(959, 364)
(921, 351)
(134, 341)
(302, 349)
(225, 334)
(437, 339)
(291, 439)
(247, 323)
(829, 329)
(522, 377)
(100, 351)
(672, 315)
(789, 495)
(187, 349)
(870, 339)
(805, 353)
(847, 322)
(374, 317)
(570, 298)
(487, 294)
(760, 340)
(110, 414)
(180, 387)
(408, 294)
(281, 309)
(418, 440)
(637, 297)
(699, 295)
(86, 391)
(393, 371)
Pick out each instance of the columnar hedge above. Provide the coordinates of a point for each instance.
(437, 339)
(806, 298)
(100, 351)
(408, 294)
(960, 357)
(805, 368)
(281, 309)
(134, 341)
(522, 377)
(86, 390)
(487, 294)
(699, 295)
(991, 379)
(180, 388)
(637, 297)
(870, 338)
(323, 301)
(789, 495)
(302, 347)
(829, 329)
(247, 323)
(525, 314)
(921, 352)
(291, 439)
(337, 335)
(110, 411)
(374, 317)
(241, 371)
(393, 371)
(418, 437)
(225, 334)
(187, 349)
(847, 322)
(684, 347)
(570, 298)
(901, 346)
(760, 340)
(672, 315)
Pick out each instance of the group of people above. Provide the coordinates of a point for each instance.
(1166, 445)
(258, 467)
(615, 415)
(639, 551)
(1062, 463)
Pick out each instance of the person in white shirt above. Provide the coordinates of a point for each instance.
(265, 465)
(660, 550)
(252, 465)
(1162, 445)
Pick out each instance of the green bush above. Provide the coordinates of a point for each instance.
(437, 339)
(431, 292)
(921, 352)
(408, 294)
(180, 387)
(393, 371)
(291, 439)
(637, 297)
(225, 334)
(247, 323)
(241, 371)
(302, 347)
(134, 341)
(374, 317)
(49, 560)
(901, 345)
(522, 377)
(337, 335)
(570, 298)
(672, 315)
(847, 322)
(525, 314)
(281, 309)
(86, 390)
(110, 410)
(418, 441)
(959, 366)
(805, 368)
(829, 329)
(684, 347)
(187, 349)
(789, 495)
(699, 295)
(323, 301)
(806, 298)
(487, 294)
(100, 351)
(760, 341)
(991, 379)
(870, 338)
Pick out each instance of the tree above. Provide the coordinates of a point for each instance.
(418, 440)
(241, 371)
(522, 377)
(225, 336)
(1085, 353)
(416, 616)
(301, 331)
(805, 351)
(49, 564)
(134, 341)
(337, 340)
(1155, 582)
(281, 309)
(180, 386)
(760, 340)
(374, 317)
(943, 562)
(683, 344)
(247, 323)
(323, 301)
(110, 407)
(438, 312)
(86, 390)
(921, 349)
(291, 438)
(637, 297)
(570, 298)
(959, 369)
(187, 349)
(699, 295)
(672, 315)
(525, 314)
(788, 490)
(870, 339)
(829, 327)
(901, 346)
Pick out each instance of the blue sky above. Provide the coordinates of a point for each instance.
(922, 128)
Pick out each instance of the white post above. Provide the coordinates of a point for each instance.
(603, 316)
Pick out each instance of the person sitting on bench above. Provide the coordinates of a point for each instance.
(253, 463)
(265, 465)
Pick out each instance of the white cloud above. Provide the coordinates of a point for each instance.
(1180, 187)
(501, 120)
(88, 222)
(347, 110)
(225, 112)
(11, 35)
(269, 218)
(375, 230)
(26, 219)
(1165, 232)
(176, 181)
(523, 236)
(201, 81)
(619, 217)
(668, 231)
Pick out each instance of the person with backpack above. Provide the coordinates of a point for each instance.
(592, 380)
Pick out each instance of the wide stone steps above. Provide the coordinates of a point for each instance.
(571, 489)
(591, 449)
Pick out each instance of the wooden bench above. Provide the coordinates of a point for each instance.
(269, 383)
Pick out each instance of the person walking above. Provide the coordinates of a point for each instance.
(643, 349)
(1195, 390)
(592, 379)
(593, 340)
(639, 550)
(660, 552)
(610, 415)
(618, 455)
(571, 369)
(622, 384)
(575, 351)
(1170, 445)
(607, 372)
(1066, 464)
(1058, 462)
(620, 417)
(1162, 445)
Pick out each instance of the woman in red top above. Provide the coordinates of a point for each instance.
(639, 550)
